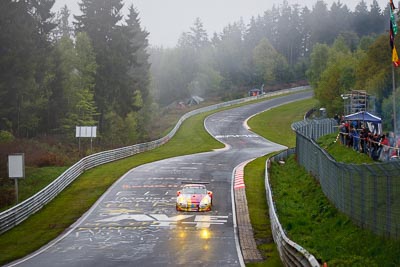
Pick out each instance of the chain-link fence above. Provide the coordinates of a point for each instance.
(368, 193)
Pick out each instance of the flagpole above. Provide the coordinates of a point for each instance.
(395, 59)
(394, 103)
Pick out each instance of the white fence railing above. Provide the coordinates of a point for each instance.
(291, 253)
(17, 214)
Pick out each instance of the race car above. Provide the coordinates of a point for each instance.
(194, 197)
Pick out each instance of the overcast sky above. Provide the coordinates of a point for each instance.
(165, 20)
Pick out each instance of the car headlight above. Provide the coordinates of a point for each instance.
(182, 202)
(205, 201)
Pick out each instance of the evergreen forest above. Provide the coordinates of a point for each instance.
(59, 70)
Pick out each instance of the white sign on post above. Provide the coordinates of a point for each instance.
(86, 131)
(16, 166)
(16, 169)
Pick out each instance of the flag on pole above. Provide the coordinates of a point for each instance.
(393, 33)
(392, 7)
(395, 58)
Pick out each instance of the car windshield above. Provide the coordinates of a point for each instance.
(194, 190)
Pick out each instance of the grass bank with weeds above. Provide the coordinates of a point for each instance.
(275, 125)
(342, 153)
(259, 215)
(306, 214)
(311, 221)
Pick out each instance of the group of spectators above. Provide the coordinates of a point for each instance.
(381, 147)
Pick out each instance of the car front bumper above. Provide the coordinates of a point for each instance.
(193, 207)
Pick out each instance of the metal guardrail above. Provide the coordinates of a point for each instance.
(17, 214)
(291, 253)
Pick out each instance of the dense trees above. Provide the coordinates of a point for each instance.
(54, 76)
(122, 76)
(272, 49)
(23, 64)
(270, 65)
(78, 90)
(336, 70)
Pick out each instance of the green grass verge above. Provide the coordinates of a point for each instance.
(36, 179)
(275, 125)
(342, 153)
(305, 213)
(259, 215)
(311, 221)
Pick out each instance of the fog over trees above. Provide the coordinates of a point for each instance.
(101, 70)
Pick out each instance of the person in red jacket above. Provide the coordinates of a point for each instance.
(385, 148)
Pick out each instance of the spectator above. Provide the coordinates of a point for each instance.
(350, 140)
(337, 118)
(384, 148)
(395, 152)
(378, 147)
(356, 138)
(354, 124)
(375, 148)
(369, 144)
(347, 127)
(392, 143)
(342, 130)
(364, 139)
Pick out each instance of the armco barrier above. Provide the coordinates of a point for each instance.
(20, 212)
(291, 253)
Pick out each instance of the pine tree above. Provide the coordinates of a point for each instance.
(63, 26)
(139, 69)
(25, 46)
(86, 68)
(100, 20)
(361, 19)
(63, 66)
(72, 101)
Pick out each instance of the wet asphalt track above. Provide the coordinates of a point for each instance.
(135, 222)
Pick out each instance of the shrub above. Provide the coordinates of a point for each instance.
(48, 159)
(6, 137)
(7, 197)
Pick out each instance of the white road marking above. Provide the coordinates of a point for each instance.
(237, 136)
(163, 220)
(136, 217)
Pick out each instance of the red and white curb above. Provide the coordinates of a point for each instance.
(239, 175)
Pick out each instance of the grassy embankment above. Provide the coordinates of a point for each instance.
(305, 213)
(275, 125)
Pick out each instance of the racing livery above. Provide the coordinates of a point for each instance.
(194, 197)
